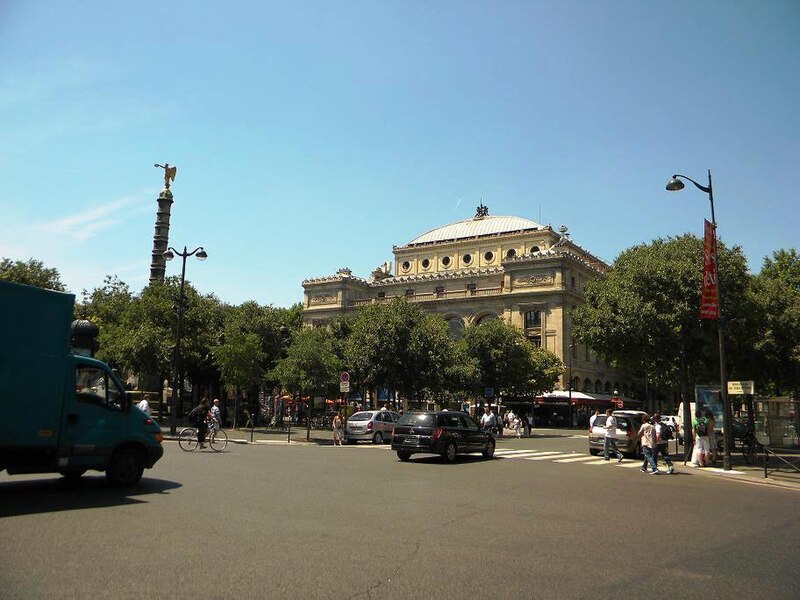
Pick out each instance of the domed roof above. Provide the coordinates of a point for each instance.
(475, 227)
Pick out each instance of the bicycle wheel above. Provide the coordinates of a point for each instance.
(187, 439)
(218, 440)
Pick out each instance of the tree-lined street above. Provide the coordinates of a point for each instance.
(319, 521)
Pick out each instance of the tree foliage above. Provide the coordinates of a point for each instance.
(645, 312)
(508, 362)
(398, 346)
(33, 272)
(310, 364)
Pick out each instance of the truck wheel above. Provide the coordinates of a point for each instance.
(125, 468)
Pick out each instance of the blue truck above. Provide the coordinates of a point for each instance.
(61, 412)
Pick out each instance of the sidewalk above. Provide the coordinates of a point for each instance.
(262, 435)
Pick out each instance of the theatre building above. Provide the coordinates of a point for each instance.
(491, 267)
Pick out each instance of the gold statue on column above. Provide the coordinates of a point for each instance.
(169, 173)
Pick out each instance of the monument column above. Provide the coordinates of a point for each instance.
(158, 265)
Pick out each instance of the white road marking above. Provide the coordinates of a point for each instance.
(576, 459)
(552, 456)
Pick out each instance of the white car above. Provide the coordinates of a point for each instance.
(376, 426)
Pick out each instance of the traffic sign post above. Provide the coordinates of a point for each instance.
(344, 382)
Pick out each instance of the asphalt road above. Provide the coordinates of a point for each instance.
(278, 521)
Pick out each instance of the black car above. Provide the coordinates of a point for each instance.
(447, 433)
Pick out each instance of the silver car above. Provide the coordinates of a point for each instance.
(376, 426)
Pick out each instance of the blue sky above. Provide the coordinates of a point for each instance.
(316, 135)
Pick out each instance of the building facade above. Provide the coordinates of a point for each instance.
(486, 267)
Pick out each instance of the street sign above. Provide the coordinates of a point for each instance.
(344, 377)
(744, 388)
(344, 386)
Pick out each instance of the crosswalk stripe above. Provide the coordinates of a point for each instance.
(552, 456)
(513, 451)
(576, 459)
(631, 465)
(527, 454)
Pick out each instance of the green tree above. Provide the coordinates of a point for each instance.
(508, 362)
(398, 346)
(33, 272)
(644, 314)
(310, 364)
(774, 335)
(784, 265)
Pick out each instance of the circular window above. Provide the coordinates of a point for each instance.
(466, 259)
(406, 265)
(488, 257)
(511, 253)
(446, 261)
(534, 248)
(425, 263)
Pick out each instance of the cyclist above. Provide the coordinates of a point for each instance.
(199, 416)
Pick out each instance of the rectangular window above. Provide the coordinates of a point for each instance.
(533, 318)
(536, 340)
(439, 291)
(409, 293)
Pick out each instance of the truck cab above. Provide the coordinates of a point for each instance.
(63, 412)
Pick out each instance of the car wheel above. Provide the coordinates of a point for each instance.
(450, 452)
(594, 452)
(377, 438)
(403, 455)
(125, 467)
(488, 452)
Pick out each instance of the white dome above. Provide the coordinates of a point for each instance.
(470, 228)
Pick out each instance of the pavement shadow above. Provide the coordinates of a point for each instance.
(37, 496)
(461, 460)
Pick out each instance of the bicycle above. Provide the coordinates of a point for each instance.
(216, 438)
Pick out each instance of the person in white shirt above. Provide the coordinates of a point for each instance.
(487, 419)
(144, 406)
(592, 419)
(610, 442)
(215, 416)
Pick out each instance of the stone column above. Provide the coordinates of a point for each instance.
(158, 265)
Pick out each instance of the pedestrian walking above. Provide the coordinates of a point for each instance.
(712, 437)
(593, 418)
(338, 430)
(517, 425)
(488, 420)
(700, 427)
(609, 441)
(647, 437)
(144, 406)
(663, 436)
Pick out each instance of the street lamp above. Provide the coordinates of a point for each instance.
(169, 254)
(673, 185)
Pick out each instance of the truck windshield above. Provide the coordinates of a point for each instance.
(93, 386)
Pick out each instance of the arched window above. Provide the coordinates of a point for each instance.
(598, 387)
(608, 387)
(485, 318)
(456, 327)
(587, 385)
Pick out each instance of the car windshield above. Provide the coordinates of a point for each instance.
(419, 419)
(361, 416)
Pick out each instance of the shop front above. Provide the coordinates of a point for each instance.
(560, 409)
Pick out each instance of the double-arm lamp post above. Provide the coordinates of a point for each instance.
(675, 184)
(176, 361)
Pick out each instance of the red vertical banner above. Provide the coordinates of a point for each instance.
(709, 304)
